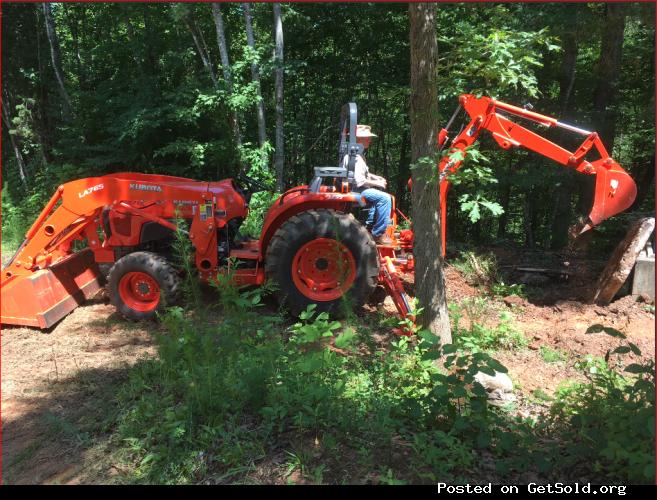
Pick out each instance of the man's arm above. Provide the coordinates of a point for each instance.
(376, 181)
(364, 179)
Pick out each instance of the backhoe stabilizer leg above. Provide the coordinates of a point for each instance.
(395, 289)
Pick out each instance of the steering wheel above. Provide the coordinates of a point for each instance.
(252, 184)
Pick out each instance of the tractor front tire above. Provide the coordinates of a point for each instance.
(322, 257)
(141, 284)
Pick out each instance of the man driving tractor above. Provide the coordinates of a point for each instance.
(371, 188)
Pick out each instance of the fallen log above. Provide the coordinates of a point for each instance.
(622, 261)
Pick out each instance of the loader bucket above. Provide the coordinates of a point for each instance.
(615, 191)
(44, 297)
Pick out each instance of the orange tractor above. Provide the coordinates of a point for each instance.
(311, 245)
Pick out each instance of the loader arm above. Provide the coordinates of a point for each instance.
(46, 278)
(615, 190)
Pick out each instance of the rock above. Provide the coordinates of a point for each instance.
(513, 300)
(498, 397)
(501, 382)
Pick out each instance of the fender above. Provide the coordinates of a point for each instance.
(300, 199)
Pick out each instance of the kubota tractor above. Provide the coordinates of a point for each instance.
(311, 244)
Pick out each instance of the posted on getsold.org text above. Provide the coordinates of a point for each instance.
(533, 488)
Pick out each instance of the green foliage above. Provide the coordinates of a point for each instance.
(143, 100)
(607, 424)
(474, 177)
(478, 336)
(478, 269)
(501, 289)
(502, 59)
(482, 270)
(258, 161)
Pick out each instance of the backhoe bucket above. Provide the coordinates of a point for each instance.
(43, 298)
(615, 191)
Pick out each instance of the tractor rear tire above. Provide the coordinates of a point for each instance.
(322, 257)
(142, 284)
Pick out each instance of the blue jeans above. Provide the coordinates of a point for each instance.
(379, 216)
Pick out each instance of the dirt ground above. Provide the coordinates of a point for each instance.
(58, 386)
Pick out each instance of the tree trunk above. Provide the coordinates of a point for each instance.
(527, 221)
(562, 210)
(604, 95)
(402, 168)
(56, 59)
(279, 72)
(22, 171)
(645, 180)
(225, 67)
(201, 47)
(255, 75)
(429, 279)
(568, 67)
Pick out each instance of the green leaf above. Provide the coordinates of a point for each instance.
(429, 337)
(430, 355)
(497, 366)
(483, 439)
(450, 348)
(345, 339)
(494, 208)
(487, 370)
(636, 368)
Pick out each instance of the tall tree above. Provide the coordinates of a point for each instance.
(199, 41)
(6, 119)
(225, 66)
(429, 279)
(255, 74)
(608, 71)
(55, 54)
(561, 213)
(279, 72)
(605, 93)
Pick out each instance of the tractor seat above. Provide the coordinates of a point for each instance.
(326, 172)
(336, 173)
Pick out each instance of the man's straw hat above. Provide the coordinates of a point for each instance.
(364, 131)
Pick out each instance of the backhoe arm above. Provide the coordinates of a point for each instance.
(615, 190)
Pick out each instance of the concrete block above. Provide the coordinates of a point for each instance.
(644, 276)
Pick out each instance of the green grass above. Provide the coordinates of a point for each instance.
(550, 355)
(237, 395)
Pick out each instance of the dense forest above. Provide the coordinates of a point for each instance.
(187, 89)
(534, 385)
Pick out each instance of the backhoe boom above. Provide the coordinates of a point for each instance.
(615, 190)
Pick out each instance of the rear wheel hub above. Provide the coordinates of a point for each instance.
(323, 269)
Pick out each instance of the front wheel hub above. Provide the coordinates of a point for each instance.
(139, 291)
(323, 269)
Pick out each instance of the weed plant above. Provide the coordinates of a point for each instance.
(232, 387)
